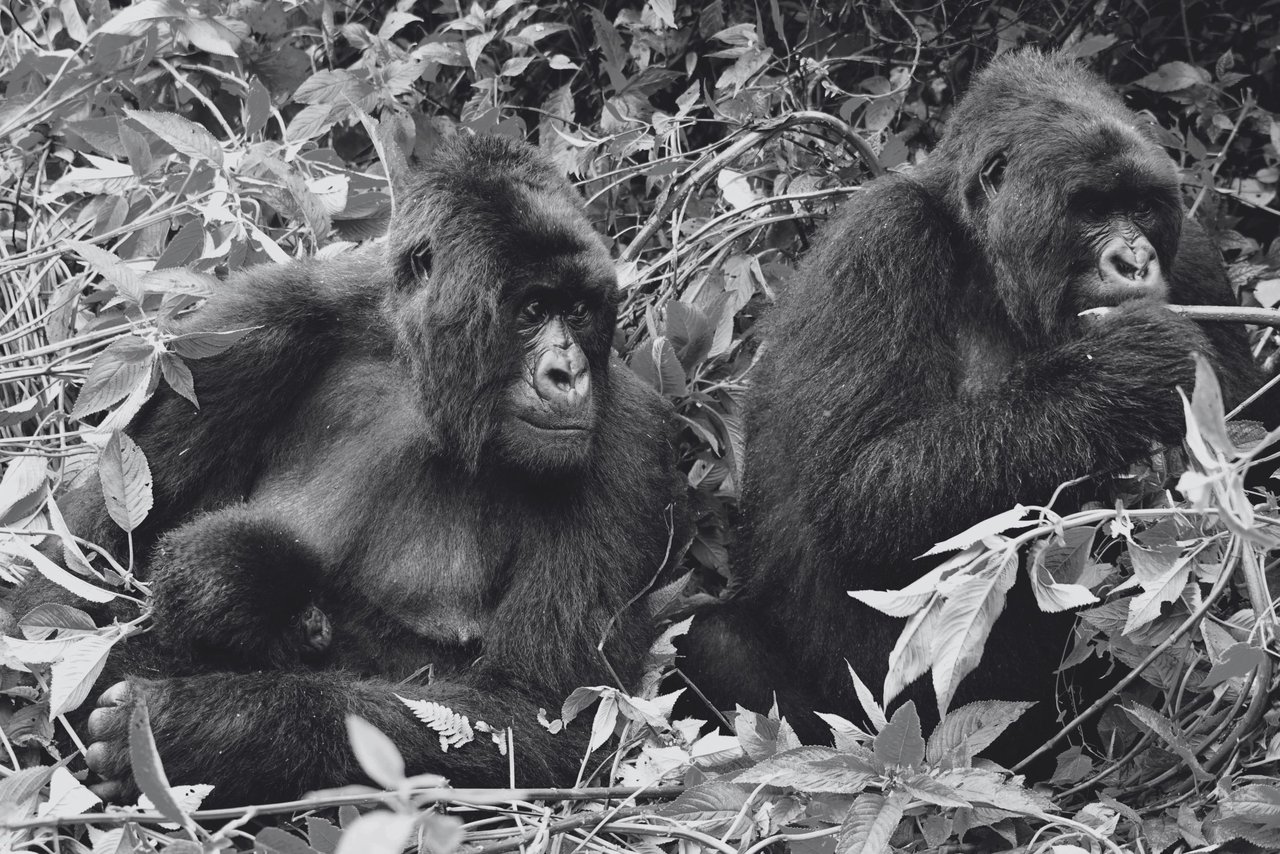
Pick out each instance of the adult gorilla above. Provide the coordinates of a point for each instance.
(929, 368)
(439, 448)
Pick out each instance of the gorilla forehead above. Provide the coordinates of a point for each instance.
(488, 197)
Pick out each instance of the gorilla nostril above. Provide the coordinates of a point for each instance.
(561, 379)
(1124, 268)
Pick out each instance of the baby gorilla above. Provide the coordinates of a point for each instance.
(257, 609)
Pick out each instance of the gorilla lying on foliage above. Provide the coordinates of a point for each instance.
(929, 368)
(431, 458)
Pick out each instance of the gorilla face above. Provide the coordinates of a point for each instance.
(551, 411)
(1096, 224)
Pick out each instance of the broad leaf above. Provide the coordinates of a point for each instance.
(998, 524)
(965, 623)
(813, 769)
(900, 744)
(967, 731)
(871, 822)
(75, 672)
(126, 481)
(118, 370)
(378, 756)
(187, 137)
(378, 832)
(148, 772)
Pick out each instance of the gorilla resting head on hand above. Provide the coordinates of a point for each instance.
(929, 368)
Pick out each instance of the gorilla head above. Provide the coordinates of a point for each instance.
(1069, 194)
(491, 247)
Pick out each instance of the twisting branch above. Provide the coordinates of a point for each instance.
(1230, 314)
(674, 195)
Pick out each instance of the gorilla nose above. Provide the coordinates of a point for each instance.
(1132, 264)
(563, 379)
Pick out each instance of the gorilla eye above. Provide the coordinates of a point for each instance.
(533, 310)
(992, 175)
(1142, 207)
(421, 262)
(579, 312)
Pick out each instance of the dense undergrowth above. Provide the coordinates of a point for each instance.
(151, 149)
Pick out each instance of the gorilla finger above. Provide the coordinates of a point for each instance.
(108, 722)
(109, 791)
(117, 695)
(107, 761)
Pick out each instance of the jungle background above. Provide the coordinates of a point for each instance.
(148, 150)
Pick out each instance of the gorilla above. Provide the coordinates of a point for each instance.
(423, 474)
(929, 367)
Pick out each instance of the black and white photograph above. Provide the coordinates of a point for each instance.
(640, 426)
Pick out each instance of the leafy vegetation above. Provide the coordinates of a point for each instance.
(155, 147)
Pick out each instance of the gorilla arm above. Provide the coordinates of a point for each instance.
(895, 389)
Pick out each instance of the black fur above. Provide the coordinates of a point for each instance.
(347, 453)
(927, 369)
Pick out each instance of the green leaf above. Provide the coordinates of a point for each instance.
(873, 710)
(257, 107)
(1173, 77)
(965, 623)
(126, 481)
(208, 35)
(713, 801)
(178, 376)
(118, 370)
(184, 246)
(1252, 813)
(24, 478)
(278, 841)
(43, 620)
(312, 121)
(121, 276)
(77, 669)
(656, 363)
(912, 653)
(187, 137)
(378, 756)
(615, 54)
(22, 786)
(757, 733)
(1238, 661)
(933, 791)
(1170, 733)
(323, 835)
(137, 19)
(201, 345)
(967, 731)
(148, 772)
(689, 331)
(900, 744)
(1054, 567)
(998, 524)
(55, 573)
(984, 787)
(813, 769)
(379, 832)
(870, 823)
(1162, 581)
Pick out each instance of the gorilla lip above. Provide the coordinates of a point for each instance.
(559, 426)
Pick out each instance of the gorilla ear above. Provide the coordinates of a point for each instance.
(992, 175)
(420, 263)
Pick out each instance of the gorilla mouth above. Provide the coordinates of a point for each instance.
(557, 426)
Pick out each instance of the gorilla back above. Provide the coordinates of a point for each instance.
(438, 447)
(928, 368)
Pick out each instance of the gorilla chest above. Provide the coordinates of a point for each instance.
(984, 357)
(414, 556)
